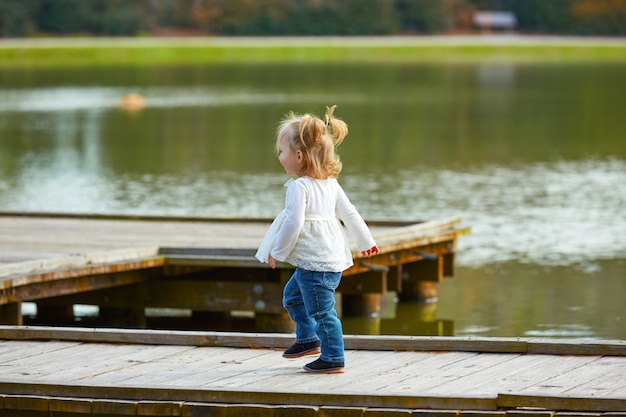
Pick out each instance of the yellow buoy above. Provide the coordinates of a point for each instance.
(132, 102)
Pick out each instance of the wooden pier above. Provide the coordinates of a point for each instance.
(79, 372)
(124, 265)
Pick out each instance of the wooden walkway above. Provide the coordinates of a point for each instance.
(124, 372)
(60, 260)
(40, 236)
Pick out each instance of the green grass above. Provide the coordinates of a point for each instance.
(148, 51)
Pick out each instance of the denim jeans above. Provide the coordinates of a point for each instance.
(309, 297)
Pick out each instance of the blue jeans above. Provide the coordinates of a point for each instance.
(309, 297)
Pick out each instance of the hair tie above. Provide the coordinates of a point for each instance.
(329, 114)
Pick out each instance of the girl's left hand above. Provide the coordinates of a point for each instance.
(370, 252)
(271, 261)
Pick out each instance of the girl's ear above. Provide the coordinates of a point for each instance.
(299, 156)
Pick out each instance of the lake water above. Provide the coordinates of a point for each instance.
(531, 156)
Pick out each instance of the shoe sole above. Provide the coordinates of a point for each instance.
(324, 371)
(309, 352)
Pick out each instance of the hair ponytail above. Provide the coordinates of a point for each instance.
(337, 129)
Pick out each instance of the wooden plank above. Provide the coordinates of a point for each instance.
(70, 405)
(577, 347)
(264, 340)
(215, 261)
(17, 349)
(436, 413)
(566, 403)
(114, 407)
(26, 402)
(330, 411)
(117, 371)
(292, 411)
(371, 372)
(389, 412)
(227, 365)
(516, 373)
(193, 394)
(427, 379)
(367, 342)
(74, 262)
(250, 370)
(611, 382)
(48, 362)
(57, 283)
(82, 362)
(503, 413)
(87, 363)
(193, 409)
(439, 343)
(288, 373)
(159, 408)
(579, 370)
(246, 410)
(203, 366)
(400, 377)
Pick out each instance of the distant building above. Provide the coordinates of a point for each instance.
(494, 20)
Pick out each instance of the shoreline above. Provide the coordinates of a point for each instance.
(392, 40)
(55, 52)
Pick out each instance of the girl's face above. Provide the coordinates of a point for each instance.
(289, 159)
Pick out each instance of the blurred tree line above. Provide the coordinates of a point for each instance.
(301, 17)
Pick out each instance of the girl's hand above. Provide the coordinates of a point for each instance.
(271, 261)
(370, 252)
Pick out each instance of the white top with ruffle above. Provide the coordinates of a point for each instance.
(309, 233)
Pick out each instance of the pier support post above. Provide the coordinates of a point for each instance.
(123, 317)
(11, 314)
(50, 314)
(361, 305)
(420, 279)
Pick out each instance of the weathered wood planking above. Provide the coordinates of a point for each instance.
(282, 341)
(34, 237)
(55, 368)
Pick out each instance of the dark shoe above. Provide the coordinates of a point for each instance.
(322, 367)
(298, 350)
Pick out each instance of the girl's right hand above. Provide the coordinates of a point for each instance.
(370, 252)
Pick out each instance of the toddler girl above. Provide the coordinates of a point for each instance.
(309, 234)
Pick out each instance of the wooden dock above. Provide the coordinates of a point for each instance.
(125, 264)
(80, 371)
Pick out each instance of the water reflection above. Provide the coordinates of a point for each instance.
(527, 300)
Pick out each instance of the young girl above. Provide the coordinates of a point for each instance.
(309, 234)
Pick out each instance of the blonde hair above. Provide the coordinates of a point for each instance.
(316, 139)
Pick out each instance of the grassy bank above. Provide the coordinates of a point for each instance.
(147, 51)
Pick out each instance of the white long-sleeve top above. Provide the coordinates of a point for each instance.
(308, 233)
